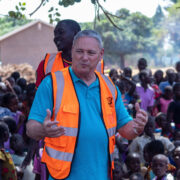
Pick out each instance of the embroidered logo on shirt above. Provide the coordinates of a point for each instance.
(109, 100)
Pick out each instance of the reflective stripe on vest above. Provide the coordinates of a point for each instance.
(58, 152)
(53, 62)
(63, 156)
(111, 86)
(100, 66)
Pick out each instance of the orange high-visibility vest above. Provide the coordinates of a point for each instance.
(53, 62)
(58, 152)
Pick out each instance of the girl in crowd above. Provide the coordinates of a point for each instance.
(7, 168)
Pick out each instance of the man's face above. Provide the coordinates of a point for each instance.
(63, 36)
(86, 54)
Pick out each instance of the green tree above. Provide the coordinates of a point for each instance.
(158, 17)
(8, 24)
(135, 37)
(173, 25)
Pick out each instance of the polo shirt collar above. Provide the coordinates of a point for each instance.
(75, 78)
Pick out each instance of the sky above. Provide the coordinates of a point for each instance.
(83, 11)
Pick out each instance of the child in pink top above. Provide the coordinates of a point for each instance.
(166, 98)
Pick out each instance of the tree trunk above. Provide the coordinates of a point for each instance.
(122, 61)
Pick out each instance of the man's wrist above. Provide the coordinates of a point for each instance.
(136, 131)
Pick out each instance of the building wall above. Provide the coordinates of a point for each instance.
(28, 46)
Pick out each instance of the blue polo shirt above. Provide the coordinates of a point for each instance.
(91, 158)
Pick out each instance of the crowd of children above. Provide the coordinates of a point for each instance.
(16, 97)
(155, 154)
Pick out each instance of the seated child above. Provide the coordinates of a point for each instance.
(160, 167)
(7, 168)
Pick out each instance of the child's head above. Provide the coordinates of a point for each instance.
(176, 90)
(142, 64)
(113, 74)
(122, 144)
(11, 80)
(176, 156)
(127, 72)
(22, 83)
(17, 90)
(160, 165)
(133, 162)
(11, 123)
(122, 86)
(150, 126)
(136, 176)
(15, 75)
(171, 76)
(161, 120)
(10, 101)
(144, 76)
(30, 92)
(168, 92)
(17, 143)
(151, 149)
(158, 75)
(4, 132)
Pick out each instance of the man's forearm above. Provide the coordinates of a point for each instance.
(35, 130)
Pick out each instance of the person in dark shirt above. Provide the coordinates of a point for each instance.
(173, 113)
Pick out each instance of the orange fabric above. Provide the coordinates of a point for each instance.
(68, 116)
(102, 66)
(57, 64)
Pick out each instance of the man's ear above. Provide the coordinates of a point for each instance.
(102, 52)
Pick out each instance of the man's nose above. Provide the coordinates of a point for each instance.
(85, 56)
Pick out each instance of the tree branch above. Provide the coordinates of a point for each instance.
(42, 1)
(107, 14)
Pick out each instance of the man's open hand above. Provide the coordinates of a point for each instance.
(50, 127)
